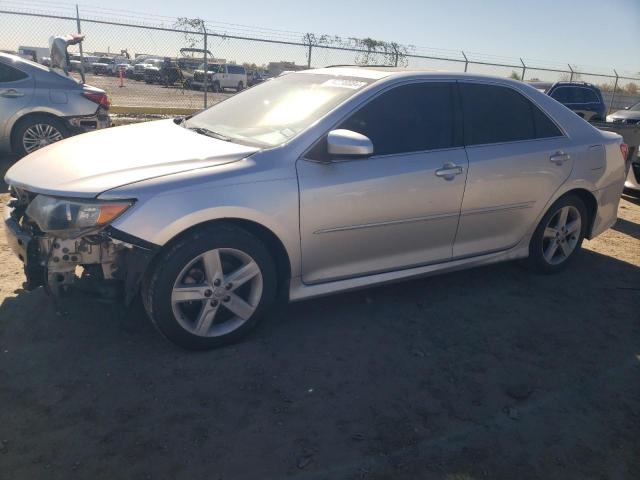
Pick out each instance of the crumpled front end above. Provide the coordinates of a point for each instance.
(103, 262)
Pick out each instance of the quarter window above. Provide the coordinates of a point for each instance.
(10, 74)
(495, 114)
(409, 118)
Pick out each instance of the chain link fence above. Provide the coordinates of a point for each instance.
(131, 47)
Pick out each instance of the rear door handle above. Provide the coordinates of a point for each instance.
(559, 158)
(449, 171)
(11, 93)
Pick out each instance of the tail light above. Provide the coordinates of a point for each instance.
(97, 97)
(624, 149)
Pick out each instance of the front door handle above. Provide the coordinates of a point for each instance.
(11, 93)
(559, 158)
(449, 171)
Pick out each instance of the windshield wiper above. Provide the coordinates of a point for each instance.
(210, 133)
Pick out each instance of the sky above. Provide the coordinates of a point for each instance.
(594, 35)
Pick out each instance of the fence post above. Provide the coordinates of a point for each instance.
(395, 55)
(524, 69)
(80, 44)
(205, 85)
(466, 60)
(615, 87)
(571, 70)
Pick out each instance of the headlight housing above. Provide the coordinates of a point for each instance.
(64, 216)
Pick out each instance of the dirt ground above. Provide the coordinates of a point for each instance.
(138, 93)
(491, 373)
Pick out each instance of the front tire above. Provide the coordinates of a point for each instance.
(211, 287)
(559, 235)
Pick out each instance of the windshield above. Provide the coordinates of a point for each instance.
(635, 108)
(273, 112)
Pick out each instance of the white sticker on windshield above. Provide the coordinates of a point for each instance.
(343, 83)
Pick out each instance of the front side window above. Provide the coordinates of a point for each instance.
(273, 112)
(564, 95)
(496, 114)
(10, 74)
(409, 118)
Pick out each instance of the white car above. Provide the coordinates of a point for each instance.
(221, 76)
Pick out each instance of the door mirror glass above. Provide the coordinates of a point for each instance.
(346, 143)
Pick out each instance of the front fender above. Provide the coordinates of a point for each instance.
(271, 204)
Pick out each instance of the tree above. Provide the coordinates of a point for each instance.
(514, 75)
(632, 88)
(193, 30)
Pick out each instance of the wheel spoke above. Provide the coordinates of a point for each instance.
(212, 265)
(205, 319)
(188, 293)
(550, 251)
(562, 218)
(566, 249)
(242, 275)
(550, 232)
(573, 227)
(239, 306)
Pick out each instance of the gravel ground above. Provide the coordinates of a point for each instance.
(489, 373)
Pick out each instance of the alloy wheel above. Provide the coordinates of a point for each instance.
(40, 135)
(561, 235)
(217, 292)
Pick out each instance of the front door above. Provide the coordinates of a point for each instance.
(396, 209)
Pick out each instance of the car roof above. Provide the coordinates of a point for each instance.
(383, 73)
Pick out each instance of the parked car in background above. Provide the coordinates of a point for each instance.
(103, 65)
(309, 184)
(254, 77)
(119, 63)
(221, 76)
(139, 68)
(628, 115)
(583, 98)
(39, 106)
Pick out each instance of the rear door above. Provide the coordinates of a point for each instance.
(16, 90)
(396, 209)
(518, 157)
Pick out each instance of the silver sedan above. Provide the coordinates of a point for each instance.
(39, 106)
(309, 184)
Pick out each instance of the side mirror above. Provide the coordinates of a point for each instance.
(346, 143)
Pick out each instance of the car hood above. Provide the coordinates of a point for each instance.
(633, 114)
(91, 163)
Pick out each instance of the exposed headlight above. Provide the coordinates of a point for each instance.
(65, 215)
(610, 118)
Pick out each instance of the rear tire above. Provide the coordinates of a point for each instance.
(37, 131)
(558, 237)
(195, 295)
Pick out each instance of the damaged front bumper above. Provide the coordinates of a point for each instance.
(107, 263)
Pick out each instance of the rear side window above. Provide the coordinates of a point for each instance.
(495, 114)
(10, 74)
(409, 118)
(235, 69)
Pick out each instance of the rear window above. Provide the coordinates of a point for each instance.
(574, 94)
(496, 114)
